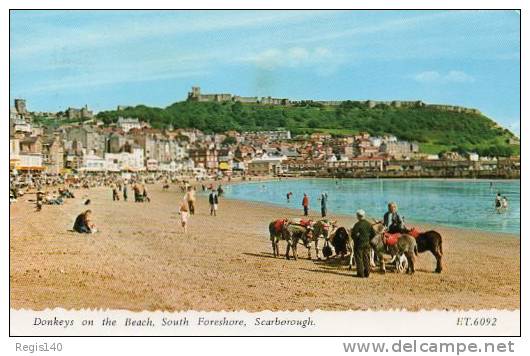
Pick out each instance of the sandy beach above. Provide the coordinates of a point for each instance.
(141, 260)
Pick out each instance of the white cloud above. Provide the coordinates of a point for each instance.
(435, 77)
(289, 57)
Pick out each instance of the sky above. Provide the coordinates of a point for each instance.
(61, 59)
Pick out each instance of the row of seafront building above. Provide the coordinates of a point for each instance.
(132, 145)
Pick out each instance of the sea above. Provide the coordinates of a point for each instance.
(468, 204)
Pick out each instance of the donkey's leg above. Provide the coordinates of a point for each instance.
(410, 260)
(294, 247)
(350, 244)
(382, 262)
(287, 249)
(438, 256)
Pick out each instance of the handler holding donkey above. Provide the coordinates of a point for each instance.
(362, 233)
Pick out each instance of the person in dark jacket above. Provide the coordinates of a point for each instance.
(362, 233)
(125, 192)
(83, 224)
(214, 201)
(324, 204)
(393, 221)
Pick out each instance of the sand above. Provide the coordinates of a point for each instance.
(141, 260)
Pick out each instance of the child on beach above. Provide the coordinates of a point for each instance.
(184, 215)
(214, 201)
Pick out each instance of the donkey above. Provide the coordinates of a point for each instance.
(294, 233)
(406, 245)
(322, 229)
(431, 241)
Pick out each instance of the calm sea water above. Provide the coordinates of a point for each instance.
(463, 203)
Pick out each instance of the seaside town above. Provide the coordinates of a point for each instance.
(147, 194)
(131, 145)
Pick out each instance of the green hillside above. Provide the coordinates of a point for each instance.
(435, 130)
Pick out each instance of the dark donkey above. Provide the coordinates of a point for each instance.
(431, 241)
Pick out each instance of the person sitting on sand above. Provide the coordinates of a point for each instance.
(393, 221)
(83, 223)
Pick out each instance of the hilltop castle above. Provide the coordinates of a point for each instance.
(196, 95)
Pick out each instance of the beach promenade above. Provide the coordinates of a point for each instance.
(141, 260)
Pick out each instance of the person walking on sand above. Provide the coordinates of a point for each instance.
(146, 198)
(305, 204)
(115, 195)
(361, 234)
(324, 204)
(190, 200)
(214, 201)
(184, 215)
(125, 192)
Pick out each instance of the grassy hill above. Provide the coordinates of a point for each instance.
(435, 130)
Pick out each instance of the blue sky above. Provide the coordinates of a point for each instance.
(105, 58)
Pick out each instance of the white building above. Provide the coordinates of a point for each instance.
(21, 125)
(376, 141)
(93, 163)
(125, 161)
(473, 156)
(152, 164)
(30, 161)
(128, 123)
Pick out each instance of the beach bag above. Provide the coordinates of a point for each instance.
(326, 250)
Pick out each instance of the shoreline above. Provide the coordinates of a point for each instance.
(296, 211)
(409, 222)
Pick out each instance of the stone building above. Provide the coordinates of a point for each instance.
(83, 113)
(88, 137)
(53, 154)
(399, 149)
(205, 157)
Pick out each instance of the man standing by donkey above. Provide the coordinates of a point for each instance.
(361, 234)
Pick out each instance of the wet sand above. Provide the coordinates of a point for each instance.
(142, 260)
